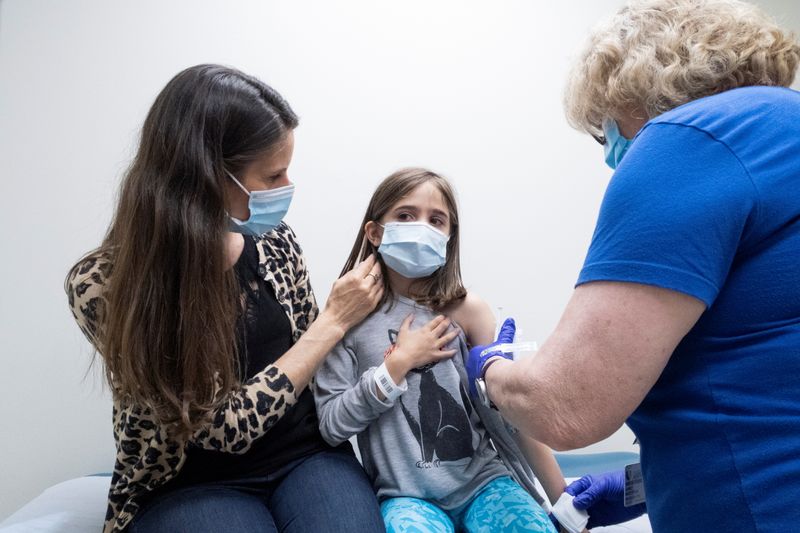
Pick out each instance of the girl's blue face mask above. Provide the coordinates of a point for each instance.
(616, 145)
(413, 249)
(267, 209)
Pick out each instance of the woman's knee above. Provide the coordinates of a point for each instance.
(327, 492)
(204, 508)
(335, 474)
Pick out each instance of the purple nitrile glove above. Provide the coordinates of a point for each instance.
(476, 363)
(603, 497)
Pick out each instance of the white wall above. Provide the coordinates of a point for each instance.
(471, 89)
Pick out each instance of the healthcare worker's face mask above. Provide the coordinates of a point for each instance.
(267, 209)
(616, 145)
(413, 249)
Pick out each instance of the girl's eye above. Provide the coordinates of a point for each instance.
(404, 217)
(437, 222)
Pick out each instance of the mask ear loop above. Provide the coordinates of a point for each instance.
(237, 183)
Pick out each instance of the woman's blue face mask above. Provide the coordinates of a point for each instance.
(267, 209)
(616, 145)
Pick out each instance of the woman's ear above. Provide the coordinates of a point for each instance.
(374, 233)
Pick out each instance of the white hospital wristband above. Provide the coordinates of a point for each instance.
(391, 391)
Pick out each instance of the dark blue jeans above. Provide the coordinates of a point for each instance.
(325, 492)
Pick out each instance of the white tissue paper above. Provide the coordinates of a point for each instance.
(571, 519)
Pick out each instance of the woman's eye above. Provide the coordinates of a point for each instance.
(437, 222)
(274, 178)
(404, 217)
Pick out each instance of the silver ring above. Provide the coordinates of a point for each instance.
(376, 278)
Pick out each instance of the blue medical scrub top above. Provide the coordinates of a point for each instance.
(707, 202)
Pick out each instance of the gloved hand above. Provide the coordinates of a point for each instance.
(603, 497)
(476, 363)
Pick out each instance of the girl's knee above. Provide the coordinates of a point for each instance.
(406, 515)
(503, 506)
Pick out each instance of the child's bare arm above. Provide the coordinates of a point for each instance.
(475, 318)
(544, 466)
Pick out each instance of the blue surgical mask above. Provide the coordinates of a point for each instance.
(413, 249)
(616, 145)
(267, 209)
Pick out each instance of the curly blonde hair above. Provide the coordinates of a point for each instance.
(655, 55)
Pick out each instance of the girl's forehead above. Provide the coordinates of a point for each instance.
(425, 195)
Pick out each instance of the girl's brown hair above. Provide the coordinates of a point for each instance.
(167, 334)
(444, 286)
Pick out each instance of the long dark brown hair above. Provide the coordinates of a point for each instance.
(169, 327)
(444, 286)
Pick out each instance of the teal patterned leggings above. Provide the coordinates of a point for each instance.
(502, 506)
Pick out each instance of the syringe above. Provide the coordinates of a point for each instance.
(512, 348)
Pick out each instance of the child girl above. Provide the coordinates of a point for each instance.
(438, 461)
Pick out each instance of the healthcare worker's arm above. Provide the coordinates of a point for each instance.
(606, 353)
(679, 209)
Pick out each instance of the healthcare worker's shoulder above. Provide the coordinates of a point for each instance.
(735, 111)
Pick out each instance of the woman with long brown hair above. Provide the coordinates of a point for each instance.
(199, 302)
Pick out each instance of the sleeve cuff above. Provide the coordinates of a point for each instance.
(651, 274)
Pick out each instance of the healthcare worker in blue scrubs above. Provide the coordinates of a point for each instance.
(685, 321)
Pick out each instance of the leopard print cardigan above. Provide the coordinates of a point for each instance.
(147, 457)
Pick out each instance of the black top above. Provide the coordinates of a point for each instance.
(264, 334)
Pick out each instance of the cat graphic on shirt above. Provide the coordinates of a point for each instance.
(441, 426)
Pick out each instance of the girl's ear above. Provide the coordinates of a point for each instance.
(374, 233)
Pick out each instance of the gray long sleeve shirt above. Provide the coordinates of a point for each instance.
(431, 442)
